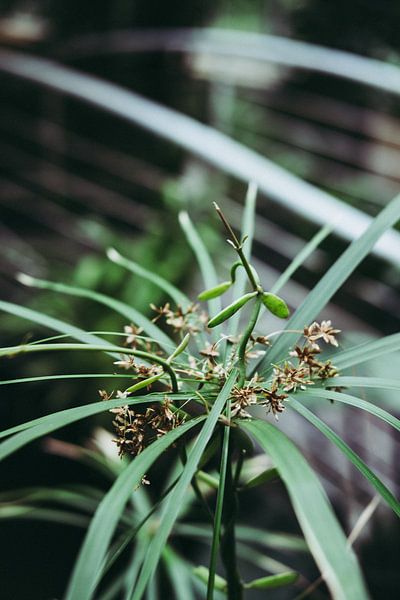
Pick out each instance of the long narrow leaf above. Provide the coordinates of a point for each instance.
(176, 295)
(86, 571)
(205, 263)
(51, 323)
(357, 403)
(349, 453)
(171, 510)
(367, 351)
(210, 145)
(301, 257)
(321, 529)
(97, 376)
(121, 308)
(332, 281)
(32, 430)
(367, 382)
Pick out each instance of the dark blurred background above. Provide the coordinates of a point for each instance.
(76, 179)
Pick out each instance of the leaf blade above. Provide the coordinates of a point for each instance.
(325, 538)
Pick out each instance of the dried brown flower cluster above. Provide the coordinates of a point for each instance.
(185, 321)
(136, 430)
(289, 377)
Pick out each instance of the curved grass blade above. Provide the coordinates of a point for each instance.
(51, 323)
(123, 309)
(357, 403)
(321, 529)
(32, 430)
(349, 453)
(178, 574)
(239, 286)
(203, 141)
(177, 296)
(204, 261)
(332, 281)
(63, 517)
(70, 376)
(172, 506)
(86, 571)
(301, 257)
(367, 351)
(367, 382)
(165, 364)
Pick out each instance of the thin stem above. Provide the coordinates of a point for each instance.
(195, 485)
(15, 350)
(244, 340)
(228, 542)
(218, 508)
(239, 249)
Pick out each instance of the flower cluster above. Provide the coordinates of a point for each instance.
(187, 320)
(136, 430)
(289, 377)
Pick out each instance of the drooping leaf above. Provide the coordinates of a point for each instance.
(357, 403)
(87, 568)
(130, 313)
(349, 453)
(331, 282)
(321, 529)
(171, 509)
(179, 297)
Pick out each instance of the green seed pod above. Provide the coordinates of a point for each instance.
(272, 581)
(216, 291)
(276, 305)
(230, 310)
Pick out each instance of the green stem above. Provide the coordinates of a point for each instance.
(14, 350)
(244, 340)
(218, 509)
(228, 542)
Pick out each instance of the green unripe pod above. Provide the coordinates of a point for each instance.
(276, 305)
(216, 291)
(272, 581)
(230, 310)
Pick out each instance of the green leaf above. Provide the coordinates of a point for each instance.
(52, 323)
(272, 581)
(178, 574)
(367, 351)
(349, 453)
(203, 258)
(366, 382)
(43, 514)
(87, 568)
(177, 296)
(301, 257)
(172, 507)
(331, 282)
(32, 430)
(356, 402)
(321, 529)
(123, 309)
(97, 376)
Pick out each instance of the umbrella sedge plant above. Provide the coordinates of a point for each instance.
(211, 382)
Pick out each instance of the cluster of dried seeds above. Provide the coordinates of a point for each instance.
(136, 430)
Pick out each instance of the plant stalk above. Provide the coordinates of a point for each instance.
(243, 342)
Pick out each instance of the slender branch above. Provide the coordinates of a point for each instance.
(228, 542)
(15, 350)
